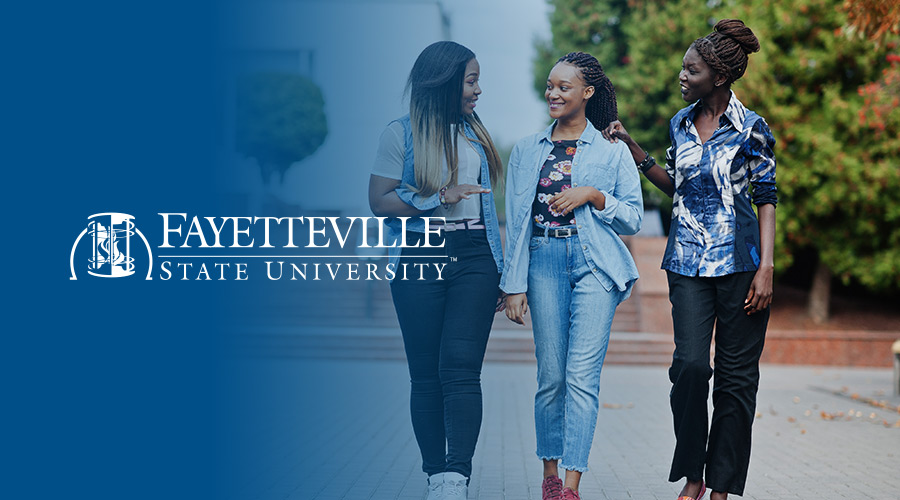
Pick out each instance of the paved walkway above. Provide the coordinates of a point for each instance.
(340, 429)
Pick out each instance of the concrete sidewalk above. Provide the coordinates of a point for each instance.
(340, 429)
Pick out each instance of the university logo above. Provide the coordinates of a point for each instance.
(113, 248)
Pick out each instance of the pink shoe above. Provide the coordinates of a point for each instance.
(551, 488)
(699, 495)
(570, 494)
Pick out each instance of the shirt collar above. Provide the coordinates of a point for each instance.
(589, 134)
(734, 113)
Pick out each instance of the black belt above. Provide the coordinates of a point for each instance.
(555, 232)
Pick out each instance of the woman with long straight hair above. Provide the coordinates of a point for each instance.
(719, 259)
(440, 161)
(569, 196)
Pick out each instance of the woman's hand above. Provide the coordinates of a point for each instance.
(760, 294)
(501, 301)
(566, 201)
(516, 307)
(461, 192)
(616, 131)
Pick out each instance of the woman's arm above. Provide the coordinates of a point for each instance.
(761, 165)
(385, 202)
(386, 175)
(655, 174)
(622, 208)
(514, 279)
(388, 197)
(760, 294)
(625, 205)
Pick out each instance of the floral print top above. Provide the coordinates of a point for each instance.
(556, 177)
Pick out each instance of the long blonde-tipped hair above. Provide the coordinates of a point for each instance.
(436, 82)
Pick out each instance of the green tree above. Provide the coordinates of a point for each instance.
(280, 120)
(826, 79)
(594, 27)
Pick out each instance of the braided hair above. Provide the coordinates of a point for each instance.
(601, 107)
(725, 50)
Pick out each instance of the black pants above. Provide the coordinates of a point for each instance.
(445, 325)
(724, 446)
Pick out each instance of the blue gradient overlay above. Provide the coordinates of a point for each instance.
(166, 388)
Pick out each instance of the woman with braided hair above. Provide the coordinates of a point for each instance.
(719, 259)
(569, 196)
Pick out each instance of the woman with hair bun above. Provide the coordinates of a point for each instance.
(569, 196)
(719, 258)
(440, 161)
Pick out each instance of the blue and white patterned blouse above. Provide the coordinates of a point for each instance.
(714, 229)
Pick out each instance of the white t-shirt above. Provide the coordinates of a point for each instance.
(392, 153)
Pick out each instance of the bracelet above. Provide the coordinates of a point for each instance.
(646, 164)
(444, 199)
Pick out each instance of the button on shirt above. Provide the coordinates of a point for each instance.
(715, 231)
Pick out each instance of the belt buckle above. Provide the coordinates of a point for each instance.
(449, 227)
(564, 233)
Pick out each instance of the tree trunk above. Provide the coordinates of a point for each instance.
(820, 294)
(272, 178)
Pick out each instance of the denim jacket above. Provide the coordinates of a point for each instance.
(429, 203)
(606, 166)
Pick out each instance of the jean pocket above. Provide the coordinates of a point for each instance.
(536, 242)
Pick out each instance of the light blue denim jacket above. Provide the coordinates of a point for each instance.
(606, 166)
(429, 203)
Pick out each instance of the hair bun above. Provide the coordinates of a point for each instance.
(740, 33)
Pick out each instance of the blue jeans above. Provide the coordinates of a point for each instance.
(571, 314)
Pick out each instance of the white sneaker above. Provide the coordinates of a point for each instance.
(455, 486)
(435, 487)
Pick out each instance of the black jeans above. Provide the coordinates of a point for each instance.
(724, 447)
(445, 325)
